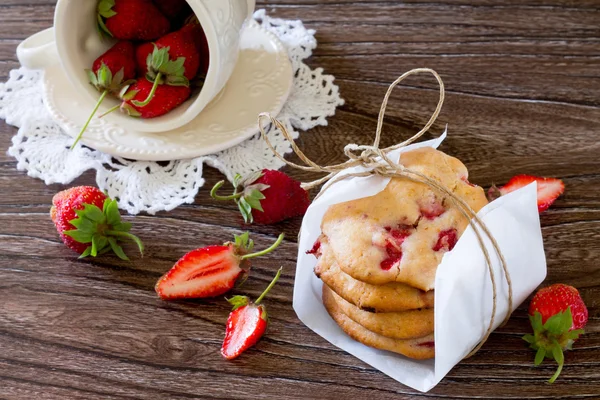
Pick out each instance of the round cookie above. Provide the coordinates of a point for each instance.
(391, 297)
(402, 233)
(420, 349)
(398, 325)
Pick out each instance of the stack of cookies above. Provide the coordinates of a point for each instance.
(378, 255)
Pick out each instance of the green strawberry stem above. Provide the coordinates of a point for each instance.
(127, 235)
(560, 359)
(152, 92)
(273, 282)
(265, 251)
(215, 189)
(100, 100)
(115, 108)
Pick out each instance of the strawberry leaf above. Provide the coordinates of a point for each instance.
(250, 178)
(536, 321)
(236, 180)
(102, 228)
(539, 356)
(92, 77)
(559, 323)
(79, 236)
(113, 217)
(529, 338)
(253, 198)
(246, 210)
(238, 301)
(117, 249)
(86, 252)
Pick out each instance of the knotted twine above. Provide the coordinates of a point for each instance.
(376, 161)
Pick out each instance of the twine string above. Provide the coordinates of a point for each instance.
(376, 162)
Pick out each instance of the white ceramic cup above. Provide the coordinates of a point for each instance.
(75, 44)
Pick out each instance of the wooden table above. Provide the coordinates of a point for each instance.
(523, 91)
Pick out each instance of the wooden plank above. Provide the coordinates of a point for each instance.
(522, 84)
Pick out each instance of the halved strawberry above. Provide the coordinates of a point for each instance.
(548, 189)
(246, 324)
(210, 271)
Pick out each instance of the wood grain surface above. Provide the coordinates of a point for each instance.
(523, 86)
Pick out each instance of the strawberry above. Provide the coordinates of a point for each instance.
(173, 61)
(131, 20)
(548, 189)
(199, 37)
(558, 316)
(89, 222)
(246, 324)
(273, 193)
(170, 8)
(210, 271)
(110, 72)
(167, 98)
(141, 57)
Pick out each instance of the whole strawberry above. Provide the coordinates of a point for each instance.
(89, 222)
(131, 20)
(548, 189)
(173, 61)
(170, 8)
(110, 72)
(166, 99)
(246, 324)
(210, 271)
(557, 314)
(199, 37)
(273, 196)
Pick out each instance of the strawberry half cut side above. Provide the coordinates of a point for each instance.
(548, 189)
(246, 324)
(210, 271)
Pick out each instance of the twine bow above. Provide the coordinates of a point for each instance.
(376, 161)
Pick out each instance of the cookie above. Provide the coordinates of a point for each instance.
(421, 348)
(391, 297)
(402, 233)
(397, 325)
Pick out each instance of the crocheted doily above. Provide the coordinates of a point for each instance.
(42, 149)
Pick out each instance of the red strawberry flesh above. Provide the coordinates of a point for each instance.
(166, 98)
(141, 57)
(137, 20)
(548, 189)
(446, 240)
(119, 57)
(553, 299)
(207, 272)
(245, 326)
(393, 246)
(63, 209)
(316, 249)
(181, 44)
(431, 208)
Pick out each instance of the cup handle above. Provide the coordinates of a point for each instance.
(38, 51)
(251, 7)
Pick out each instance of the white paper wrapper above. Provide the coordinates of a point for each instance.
(463, 290)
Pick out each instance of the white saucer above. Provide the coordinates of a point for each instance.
(261, 82)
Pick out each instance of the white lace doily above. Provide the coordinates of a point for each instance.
(42, 149)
